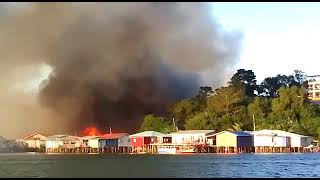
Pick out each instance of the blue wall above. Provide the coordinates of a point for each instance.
(244, 141)
(112, 142)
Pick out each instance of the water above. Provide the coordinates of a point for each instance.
(198, 165)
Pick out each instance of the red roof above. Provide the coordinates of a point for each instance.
(114, 136)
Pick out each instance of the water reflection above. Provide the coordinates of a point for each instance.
(199, 165)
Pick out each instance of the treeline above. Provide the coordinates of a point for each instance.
(278, 102)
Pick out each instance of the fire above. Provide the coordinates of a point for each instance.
(91, 131)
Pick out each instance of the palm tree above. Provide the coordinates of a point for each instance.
(236, 127)
(225, 97)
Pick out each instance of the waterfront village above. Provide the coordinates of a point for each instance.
(152, 142)
(192, 141)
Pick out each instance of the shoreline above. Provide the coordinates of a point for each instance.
(179, 154)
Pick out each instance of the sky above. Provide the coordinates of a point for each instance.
(277, 37)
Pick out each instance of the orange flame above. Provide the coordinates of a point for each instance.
(91, 131)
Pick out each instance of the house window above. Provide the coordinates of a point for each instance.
(192, 138)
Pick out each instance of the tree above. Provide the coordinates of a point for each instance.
(236, 127)
(287, 110)
(183, 110)
(311, 126)
(260, 107)
(270, 85)
(290, 102)
(300, 77)
(201, 98)
(245, 79)
(159, 124)
(203, 120)
(240, 117)
(225, 98)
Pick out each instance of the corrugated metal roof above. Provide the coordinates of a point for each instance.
(250, 132)
(89, 137)
(194, 132)
(268, 135)
(237, 133)
(64, 137)
(241, 133)
(277, 132)
(148, 134)
(35, 136)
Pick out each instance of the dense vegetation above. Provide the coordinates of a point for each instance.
(278, 102)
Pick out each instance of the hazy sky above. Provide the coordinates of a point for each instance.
(277, 37)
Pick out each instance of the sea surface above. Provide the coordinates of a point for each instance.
(195, 165)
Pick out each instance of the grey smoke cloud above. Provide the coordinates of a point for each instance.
(113, 62)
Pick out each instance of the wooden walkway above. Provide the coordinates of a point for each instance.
(153, 149)
(88, 150)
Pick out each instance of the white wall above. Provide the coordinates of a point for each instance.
(294, 140)
(34, 143)
(300, 141)
(71, 144)
(262, 141)
(281, 141)
(59, 143)
(177, 139)
(181, 138)
(53, 144)
(270, 141)
(124, 141)
(93, 143)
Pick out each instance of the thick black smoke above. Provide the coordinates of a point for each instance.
(114, 62)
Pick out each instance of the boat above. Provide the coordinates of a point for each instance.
(138, 153)
(186, 151)
(167, 150)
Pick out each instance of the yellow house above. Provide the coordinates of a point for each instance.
(233, 139)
